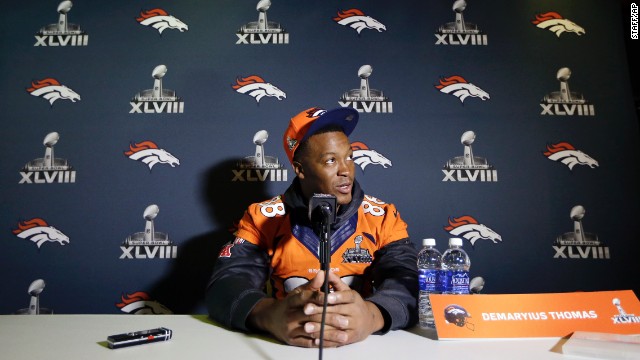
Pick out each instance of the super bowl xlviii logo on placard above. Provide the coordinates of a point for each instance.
(555, 23)
(48, 169)
(622, 317)
(358, 20)
(257, 88)
(468, 167)
(460, 32)
(459, 87)
(157, 100)
(578, 244)
(363, 156)
(566, 102)
(149, 244)
(468, 227)
(366, 99)
(39, 232)
(262, 31)
(149, 153)
(160, 20)
(62, 33)
(259, 167)
(140, 303)
(51, 90)
(567, 154)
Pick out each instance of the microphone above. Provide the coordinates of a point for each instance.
(35, 289)
(476, 284)
(322, 214)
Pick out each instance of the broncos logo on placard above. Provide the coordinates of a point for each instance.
(554, 22)
(52, 90)
(357, 20)
(469, 228)
(459, 87)
(148, 153)
(161, 20)
(364, 156)
(256, 87)
(457, 315)
(139, 303)
(38, 231)
(568, 155)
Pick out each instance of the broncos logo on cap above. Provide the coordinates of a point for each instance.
(357, 20)
(38, 231)
(469, 228)
(256, 87)
(149, 153)
(139, 303)
(459, 87)
(555, 23)
(364, 156)
(52, 90)
(568, 155)
(161, 20)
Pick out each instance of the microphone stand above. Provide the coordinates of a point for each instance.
(325, 261)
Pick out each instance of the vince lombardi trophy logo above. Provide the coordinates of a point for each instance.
(578, 244)
(150, 243)
(48, 169)
(262, 31)
(62, 33)
(469, 167)
(259, 167)
(158, 99)
(565, 101)
(460, 32)
(365, 99)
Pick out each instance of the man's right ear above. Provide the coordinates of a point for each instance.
(297, 167)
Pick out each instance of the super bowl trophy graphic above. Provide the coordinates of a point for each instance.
(50, 163)
(149, 236)
(158, 99)
(62, 27)
(578, 236)
(366, 99)
(616, 303)
(357, 254)
(34, 308)
(468, 160)
(565, 101)
(262, 31)
(459, 26)
(260, 167)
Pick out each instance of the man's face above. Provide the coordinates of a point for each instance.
(327, 166)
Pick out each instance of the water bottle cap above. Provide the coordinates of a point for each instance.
(429, 242)
(455, 242)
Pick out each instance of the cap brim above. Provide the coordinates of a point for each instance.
(345, 117)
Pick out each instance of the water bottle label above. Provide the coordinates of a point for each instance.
(460, 282)
(427, 279)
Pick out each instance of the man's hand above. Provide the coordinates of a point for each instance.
(349, 317)
(296, 319)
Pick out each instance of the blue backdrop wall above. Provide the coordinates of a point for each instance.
(126, 117)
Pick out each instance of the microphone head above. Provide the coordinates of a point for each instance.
(476, 284)
(322, 207)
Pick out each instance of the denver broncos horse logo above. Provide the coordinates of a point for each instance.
(357, 20)
(554, 22)
(38, 231)
(459, 87)
(52, 90)
(568, 155)
(364, 156)
(468, 227)
(139, 303)
(148, 153)
(161, 20)
(257, 88)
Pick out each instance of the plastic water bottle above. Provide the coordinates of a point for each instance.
(429, 261)
(455, 268)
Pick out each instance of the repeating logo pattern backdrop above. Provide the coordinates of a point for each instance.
(135, 133)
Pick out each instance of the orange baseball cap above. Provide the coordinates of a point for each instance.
(306, 123)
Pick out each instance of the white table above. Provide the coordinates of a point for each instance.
(197, 337)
